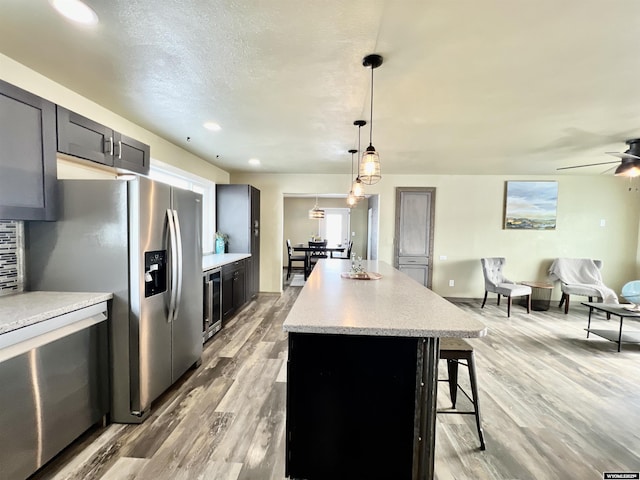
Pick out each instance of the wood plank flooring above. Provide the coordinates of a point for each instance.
(555, 405)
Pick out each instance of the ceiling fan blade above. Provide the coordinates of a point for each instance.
(624, 156)
(586, 165)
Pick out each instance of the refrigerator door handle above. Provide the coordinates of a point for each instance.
(174, 265)
(179, 257)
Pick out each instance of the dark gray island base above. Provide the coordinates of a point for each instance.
(362, 375)
(357, 407)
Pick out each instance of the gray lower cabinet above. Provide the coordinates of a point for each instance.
(418, 271)
(82, 137)
(55, 385)
(233, 288)
(27, 155)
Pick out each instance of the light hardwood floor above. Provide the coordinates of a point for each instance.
(555, 405)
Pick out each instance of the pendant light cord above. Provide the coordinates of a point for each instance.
(371, 115)
(351, 178)
(359, 156)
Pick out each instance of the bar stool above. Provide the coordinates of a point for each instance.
(456, 351)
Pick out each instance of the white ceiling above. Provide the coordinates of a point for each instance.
(475, 87)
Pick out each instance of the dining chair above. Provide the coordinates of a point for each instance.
(317, 252)
(293, 258)
(346, 255)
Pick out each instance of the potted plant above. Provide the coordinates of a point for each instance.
(221, 242)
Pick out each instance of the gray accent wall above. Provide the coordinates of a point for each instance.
(11, 256)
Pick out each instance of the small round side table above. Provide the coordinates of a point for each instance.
(540, 295)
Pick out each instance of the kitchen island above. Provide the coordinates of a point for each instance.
(362, 374)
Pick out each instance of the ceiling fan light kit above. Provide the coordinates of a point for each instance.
(630, 166)
(369, 171)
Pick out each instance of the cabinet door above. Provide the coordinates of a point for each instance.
(82, 137)
(131, 154)
(420, 273)
(239, 287)
(227, 292)
(27, 155)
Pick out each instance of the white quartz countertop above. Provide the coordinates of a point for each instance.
(215, 260)
(23, 309)
(395, 305)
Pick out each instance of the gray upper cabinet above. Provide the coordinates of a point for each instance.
(238, 215)
(27, 155)
(82, 137)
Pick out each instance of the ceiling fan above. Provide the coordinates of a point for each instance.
(630, 164)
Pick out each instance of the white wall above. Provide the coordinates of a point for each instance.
(468, 226)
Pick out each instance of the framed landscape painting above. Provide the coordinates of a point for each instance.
(531, 205)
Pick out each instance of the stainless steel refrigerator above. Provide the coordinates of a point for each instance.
(141, 240)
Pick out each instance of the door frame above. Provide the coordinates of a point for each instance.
(396, 242)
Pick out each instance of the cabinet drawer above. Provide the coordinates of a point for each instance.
(413, 260)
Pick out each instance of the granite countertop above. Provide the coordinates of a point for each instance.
(23, 309)
(214, 260)
(395, 305)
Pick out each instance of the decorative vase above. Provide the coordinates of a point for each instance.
(220, 245)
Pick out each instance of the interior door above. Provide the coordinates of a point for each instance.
(414, 232)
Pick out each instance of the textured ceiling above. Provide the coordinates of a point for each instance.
(491, 87)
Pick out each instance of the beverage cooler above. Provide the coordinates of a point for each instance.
(212, 307)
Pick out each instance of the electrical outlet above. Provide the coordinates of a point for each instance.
(443, 257)
(452, 283)
(602, 222)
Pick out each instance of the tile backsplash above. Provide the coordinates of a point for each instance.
(11, 256)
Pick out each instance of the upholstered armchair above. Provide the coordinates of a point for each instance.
(580, 276)
(496, 282)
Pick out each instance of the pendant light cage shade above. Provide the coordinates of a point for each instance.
(369, 172)
(357, 189)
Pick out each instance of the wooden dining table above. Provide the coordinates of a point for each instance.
(301, 247)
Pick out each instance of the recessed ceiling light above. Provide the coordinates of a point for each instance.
(76, 10)
(213, 126)
(254, 161)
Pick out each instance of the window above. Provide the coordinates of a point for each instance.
(177, 177)
(335, 226)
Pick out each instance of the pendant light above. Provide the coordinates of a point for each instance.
(351, 198)
(357, 187)
(316, 213)
(369, 171)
